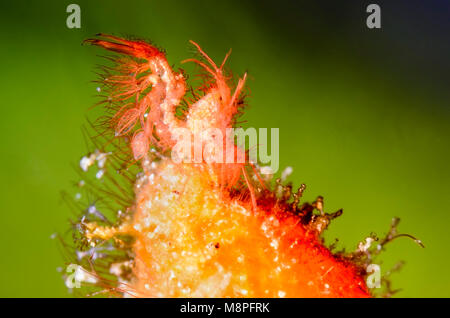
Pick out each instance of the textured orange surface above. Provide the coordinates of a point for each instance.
(193, 240)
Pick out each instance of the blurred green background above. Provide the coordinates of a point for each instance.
(363, 116)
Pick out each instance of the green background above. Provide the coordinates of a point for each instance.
(363, 116)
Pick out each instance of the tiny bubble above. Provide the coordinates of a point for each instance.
(100, 173)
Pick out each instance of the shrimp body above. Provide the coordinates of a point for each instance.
(157, 90)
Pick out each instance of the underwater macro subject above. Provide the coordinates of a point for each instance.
(192, 214)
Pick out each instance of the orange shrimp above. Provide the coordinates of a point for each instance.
(155, 108)
(209, 229)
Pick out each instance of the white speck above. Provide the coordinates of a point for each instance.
(281, 293)
(100, 174)
(82, 275)
(327, 286)
(78, 196)
(147, 286)
(274, 244)
(101, 159)
(244, 292)
(98, 89)
(147, 221)
(264, 227)
(116, 269)
(53, 236)
(286, 173)
(85, 163)
(266, 170)
(92, 209)
(363, 247)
